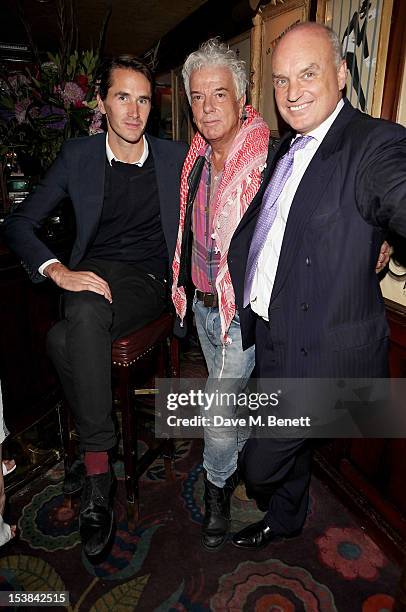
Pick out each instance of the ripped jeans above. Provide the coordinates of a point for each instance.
(222, 444)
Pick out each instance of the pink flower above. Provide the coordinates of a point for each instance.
(20, 110)
(351, 553)
(72, 94)
(95, 125)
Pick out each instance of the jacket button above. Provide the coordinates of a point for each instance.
(308, 261)
(303, 351)
(304, 306)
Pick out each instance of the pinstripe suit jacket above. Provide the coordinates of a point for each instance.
(326, 311)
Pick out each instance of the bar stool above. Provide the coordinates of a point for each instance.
(132, 357)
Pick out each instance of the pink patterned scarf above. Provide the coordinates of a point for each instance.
(239, 183)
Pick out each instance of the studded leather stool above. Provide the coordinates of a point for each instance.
(132, 357)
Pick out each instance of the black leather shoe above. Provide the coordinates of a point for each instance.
(254, 537)
(96, 514)
(216, 521)
(74, 477)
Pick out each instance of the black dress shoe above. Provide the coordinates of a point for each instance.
(217, 512)
(254, 537)
(96, 514)
(74, 477)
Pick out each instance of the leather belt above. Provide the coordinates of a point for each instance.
(210, 300)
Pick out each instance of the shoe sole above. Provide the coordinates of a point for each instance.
(213, 548)
(240, 547)
(274, 539)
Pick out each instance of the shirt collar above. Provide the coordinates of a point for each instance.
(320, 132)
(140, 162)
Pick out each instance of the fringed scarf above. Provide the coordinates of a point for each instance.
(240, 182)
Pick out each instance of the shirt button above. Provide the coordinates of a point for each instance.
(304, 306)
(303, 351)
(308, 261)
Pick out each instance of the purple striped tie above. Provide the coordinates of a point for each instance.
(267, 214)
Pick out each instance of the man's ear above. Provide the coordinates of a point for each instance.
(342, 75)
(100, 104)
(241, 104)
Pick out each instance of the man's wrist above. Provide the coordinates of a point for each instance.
(43, 266)
(53, 268)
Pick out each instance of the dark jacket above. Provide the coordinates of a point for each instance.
(326, 312)
(78, 173)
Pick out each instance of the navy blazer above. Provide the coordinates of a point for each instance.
(326, 311)
(78, 173)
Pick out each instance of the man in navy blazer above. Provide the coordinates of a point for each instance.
(124, 188)
(313, 305)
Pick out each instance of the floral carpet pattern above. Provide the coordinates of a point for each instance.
(159, 566)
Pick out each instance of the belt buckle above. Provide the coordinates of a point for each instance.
(207, 300)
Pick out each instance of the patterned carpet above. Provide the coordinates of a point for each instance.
(161, 567)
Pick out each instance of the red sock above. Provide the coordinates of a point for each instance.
(96, 462)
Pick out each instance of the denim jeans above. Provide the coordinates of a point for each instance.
(222, 444)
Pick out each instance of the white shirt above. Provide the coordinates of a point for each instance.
(110, 156)
(265, 274)
(140, 162)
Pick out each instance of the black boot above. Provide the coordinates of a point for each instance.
(217, 512)
(96, 514)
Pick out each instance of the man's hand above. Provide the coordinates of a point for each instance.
(384, 256)
(77, 281)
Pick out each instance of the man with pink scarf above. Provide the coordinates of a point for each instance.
(220, 177)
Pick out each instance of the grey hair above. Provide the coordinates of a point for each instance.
(332, 36)
(213, 52)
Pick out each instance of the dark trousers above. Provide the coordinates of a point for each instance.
(277, 476)
(80, 344)
(277, 470)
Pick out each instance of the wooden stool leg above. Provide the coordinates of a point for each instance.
(160, 363)
(172, 372)
(66, 426)
(129, 433)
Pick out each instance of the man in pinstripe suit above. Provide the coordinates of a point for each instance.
(310, 299)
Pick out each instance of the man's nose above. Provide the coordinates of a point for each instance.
(133, 109)
(208, 105)
(294, 91)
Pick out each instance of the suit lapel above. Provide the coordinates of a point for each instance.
(272, 158)
(92, 188)
(308, 195)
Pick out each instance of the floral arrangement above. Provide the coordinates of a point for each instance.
(46, 104)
